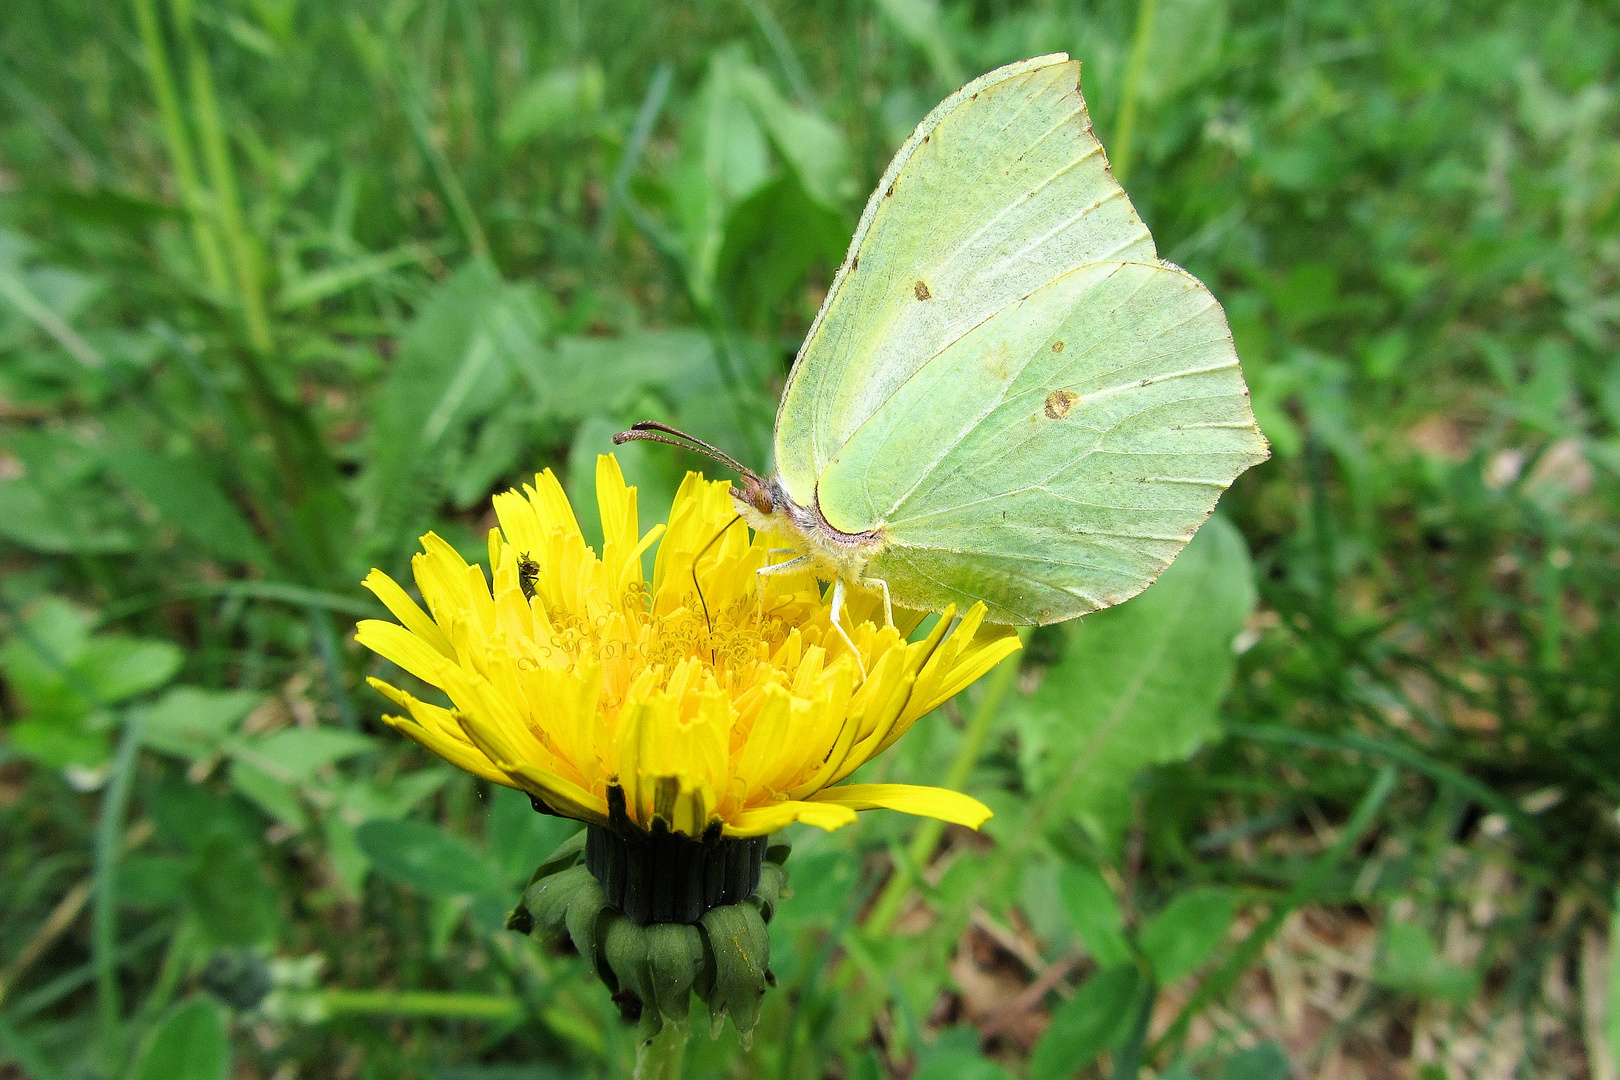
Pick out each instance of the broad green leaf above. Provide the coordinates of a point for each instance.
(152, 880)
(1181, 936)
(58, 745)
(36, 662)
(554, 102)
(813, 147)
(428, 859)
(1039, 897)
(64, 678)
(765, 265)
(364, 799)
(957, 1065)
(457, 362)
(186, 495)
(1094, 914)
(1094, 1019)
(368, 797)
(597, 376)
(724, 158)
(519, 836)
(277, 798)
(191, 1043)
(1409, 962)
(37, 520)
(498, 450)
(190, 722)
(115, 668)
(349, 863)
(293, 755)
(1139, 684)
(1186, 43)
(188, 815)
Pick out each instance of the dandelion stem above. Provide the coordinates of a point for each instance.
(926, 839)
(661, 1056)
(423, 1003)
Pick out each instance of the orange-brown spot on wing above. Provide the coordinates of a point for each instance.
(921, 290)
(1057, 346)
(1059, 403)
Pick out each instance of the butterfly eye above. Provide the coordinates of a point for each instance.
(762, 500)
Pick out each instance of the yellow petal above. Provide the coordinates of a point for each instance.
(520, 524)
(569, 800)
(551, 505)
(616, 503)
(770, 735)
(397, 644)
(763, 820)
(976, 661)
(941, 803)
(399, 602)
(457, 753)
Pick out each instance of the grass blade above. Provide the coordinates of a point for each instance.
(104, 912)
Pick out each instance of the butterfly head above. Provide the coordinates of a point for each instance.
(762, 503)
(757, 494)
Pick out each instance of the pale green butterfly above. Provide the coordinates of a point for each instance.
(1007, 396)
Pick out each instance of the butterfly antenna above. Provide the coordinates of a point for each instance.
(646, 431)
(704, 550)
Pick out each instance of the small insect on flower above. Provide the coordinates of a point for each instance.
(711, 699)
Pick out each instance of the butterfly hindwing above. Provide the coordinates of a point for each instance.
(1054, 460)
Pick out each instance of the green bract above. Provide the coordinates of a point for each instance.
(654, 970)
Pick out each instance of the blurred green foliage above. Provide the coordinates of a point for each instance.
(285, 284)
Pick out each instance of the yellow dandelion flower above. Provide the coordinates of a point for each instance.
(712, 696)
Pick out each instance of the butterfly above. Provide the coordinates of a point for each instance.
(1007, 396)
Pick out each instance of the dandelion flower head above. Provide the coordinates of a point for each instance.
(709, 696)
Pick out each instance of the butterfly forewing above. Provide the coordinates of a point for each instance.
(1002, 189)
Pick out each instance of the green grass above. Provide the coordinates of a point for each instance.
(284, 285)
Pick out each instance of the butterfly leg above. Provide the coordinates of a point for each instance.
(837, 609)
(801, 563)
(759, 592)
(883, 587)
